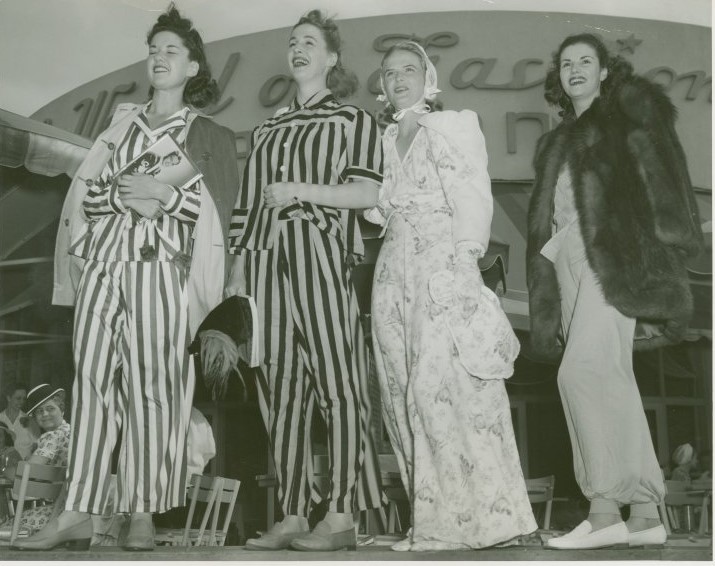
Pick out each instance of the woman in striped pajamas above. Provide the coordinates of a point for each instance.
(136, 301)
(294, 228)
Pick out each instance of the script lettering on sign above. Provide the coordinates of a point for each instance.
(699, 80)
(458, 80)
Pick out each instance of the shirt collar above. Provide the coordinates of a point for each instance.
(177, 119)
(320, 97)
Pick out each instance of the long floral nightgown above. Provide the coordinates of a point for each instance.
(452, 432)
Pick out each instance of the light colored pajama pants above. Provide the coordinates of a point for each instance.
(132, 376)
(613, 452)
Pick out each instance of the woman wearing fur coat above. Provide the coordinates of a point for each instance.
(612, 219)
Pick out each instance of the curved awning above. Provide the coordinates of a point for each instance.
(39, 147)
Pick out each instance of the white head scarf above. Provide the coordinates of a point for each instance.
(683, 454)
(431, 90)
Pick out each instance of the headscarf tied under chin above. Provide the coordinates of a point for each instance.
(431, 90)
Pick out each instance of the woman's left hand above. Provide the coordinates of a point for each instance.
(141, 186)
(279, 194)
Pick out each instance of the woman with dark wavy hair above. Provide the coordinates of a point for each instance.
(612, 219)
(143, 262)
(294, 232)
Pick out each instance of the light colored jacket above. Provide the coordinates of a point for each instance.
(206, 275)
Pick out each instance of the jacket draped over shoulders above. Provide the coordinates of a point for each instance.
(212, 148)
(636, 211)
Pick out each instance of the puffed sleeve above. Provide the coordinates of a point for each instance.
(461, 161)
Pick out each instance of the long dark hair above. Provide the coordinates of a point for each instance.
(201, 90)
(341, 82)
(618, 70)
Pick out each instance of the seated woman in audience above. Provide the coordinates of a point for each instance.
(47, 405)
(24, 434)
(685, 459)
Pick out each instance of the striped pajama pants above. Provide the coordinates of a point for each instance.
(313, 351)
(132, 378)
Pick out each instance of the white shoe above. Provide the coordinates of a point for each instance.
(655, 536)
(614, 535)
(405, 544)
(583, 528)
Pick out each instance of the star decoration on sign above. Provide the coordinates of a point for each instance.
(628, 44)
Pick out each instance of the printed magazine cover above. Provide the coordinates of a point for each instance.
(166, 162)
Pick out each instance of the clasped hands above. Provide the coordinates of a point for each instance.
(143, 194)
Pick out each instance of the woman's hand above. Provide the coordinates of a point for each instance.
(144, 207)
(143, 187)
(280, 194)
(236, 284)
(467, 289)
(467, 277)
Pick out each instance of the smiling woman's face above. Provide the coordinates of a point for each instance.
(581, 72)
(48, 415)
(309, 58)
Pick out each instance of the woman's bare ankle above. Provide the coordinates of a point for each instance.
(602, 520)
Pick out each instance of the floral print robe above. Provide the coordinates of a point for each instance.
(451, 432)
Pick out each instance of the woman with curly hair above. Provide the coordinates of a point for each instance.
(144, 263)
(294, 233)
(612, 219)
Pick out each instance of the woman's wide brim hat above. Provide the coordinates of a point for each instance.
(39, 395)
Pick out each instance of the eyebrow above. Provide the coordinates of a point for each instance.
(407, 66)
(581, 57)
(308, 36)
(152, 44)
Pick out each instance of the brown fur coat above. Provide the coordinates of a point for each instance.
(636, 210)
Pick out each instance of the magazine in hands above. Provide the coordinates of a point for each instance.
(166, 161)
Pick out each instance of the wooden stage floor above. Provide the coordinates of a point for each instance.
(678, 548)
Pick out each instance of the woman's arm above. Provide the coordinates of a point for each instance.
(661, 162)
(360, 193)
(37, 459)
(183, 204)
(461, 161)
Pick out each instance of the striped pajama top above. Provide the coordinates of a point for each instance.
(113, 233)
(320, 142)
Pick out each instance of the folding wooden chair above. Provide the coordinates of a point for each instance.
(541, 490)
(227, 494)
(34, 481)
(394, 491)
(201, 488)
(683, 498)
(214, 491)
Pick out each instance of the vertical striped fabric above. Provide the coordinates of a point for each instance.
(112, 234)
(130, 342)
(130, 351)
(312, 344)
(322, 142)
(316, 353)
